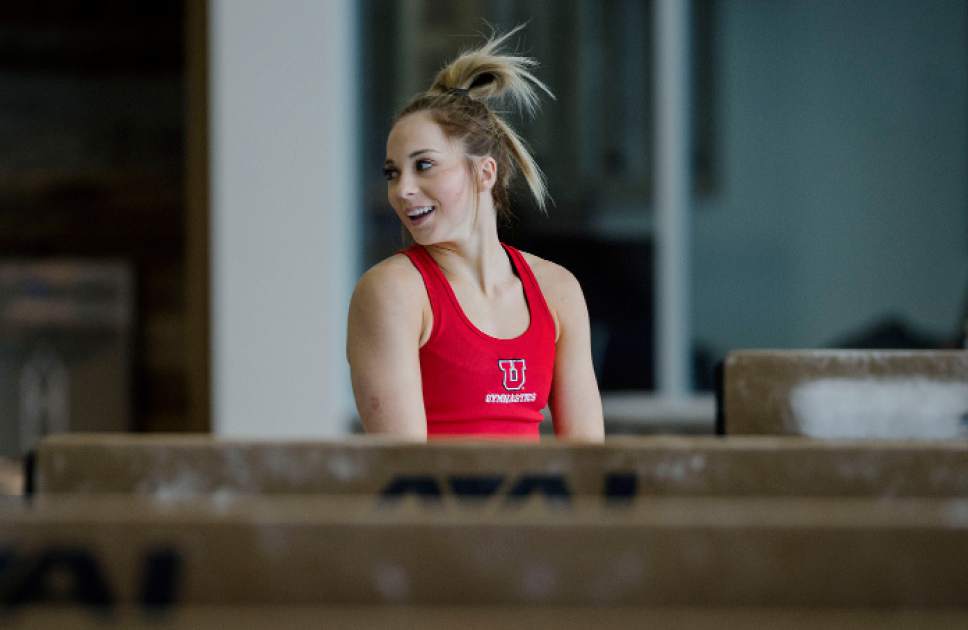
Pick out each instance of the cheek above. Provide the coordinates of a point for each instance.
(453, 189)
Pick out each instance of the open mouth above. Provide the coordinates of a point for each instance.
(419, 215)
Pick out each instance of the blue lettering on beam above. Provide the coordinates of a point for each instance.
(617, 487)
(423, 486)
(29, 579)
(620, 486)
(475, 486)
(551, 486)
(162, 574)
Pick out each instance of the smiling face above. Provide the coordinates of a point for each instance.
(429, 183)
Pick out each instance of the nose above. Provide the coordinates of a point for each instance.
(406, 185)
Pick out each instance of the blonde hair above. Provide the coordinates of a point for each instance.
(458, 101)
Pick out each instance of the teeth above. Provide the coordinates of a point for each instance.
(419, 212)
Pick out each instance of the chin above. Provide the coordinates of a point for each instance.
(422, 239)
(429, 237)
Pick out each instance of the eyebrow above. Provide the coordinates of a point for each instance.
(415, 154)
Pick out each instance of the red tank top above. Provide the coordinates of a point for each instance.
(476, 384)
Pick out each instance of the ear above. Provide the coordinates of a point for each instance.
(487, 173)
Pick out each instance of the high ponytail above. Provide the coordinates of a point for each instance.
(460, 98)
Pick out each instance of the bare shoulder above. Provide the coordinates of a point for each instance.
(562, 294)
(395, 273)
(557, 283)
(392, 283)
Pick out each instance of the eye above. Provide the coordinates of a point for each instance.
(423, 165)
(389, 173)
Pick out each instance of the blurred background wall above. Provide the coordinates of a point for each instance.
(94, 245)
(224, 158)
(285, 208)
(843, 205)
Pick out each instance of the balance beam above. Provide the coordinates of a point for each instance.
(845, 394)
(505, 617)
(197, 466)
(298, 550)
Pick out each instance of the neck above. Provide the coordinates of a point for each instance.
(478, 259)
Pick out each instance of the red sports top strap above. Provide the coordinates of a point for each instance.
(433, 280)
(532, 290)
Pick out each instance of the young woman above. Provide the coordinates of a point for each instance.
(461, 334)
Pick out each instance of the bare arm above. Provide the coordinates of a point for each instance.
(576, 405)
(383, 345)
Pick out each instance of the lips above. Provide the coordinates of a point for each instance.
(419, 214)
